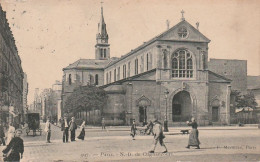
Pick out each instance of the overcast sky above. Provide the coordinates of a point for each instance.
(51, 34)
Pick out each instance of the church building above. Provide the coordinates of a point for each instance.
(165, 78)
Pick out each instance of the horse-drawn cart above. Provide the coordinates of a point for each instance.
(33, 121)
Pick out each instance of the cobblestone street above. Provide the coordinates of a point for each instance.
(227, 143)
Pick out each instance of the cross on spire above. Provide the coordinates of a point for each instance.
(182, 15)
(101, 3)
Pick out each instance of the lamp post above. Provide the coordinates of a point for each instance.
(166, 92)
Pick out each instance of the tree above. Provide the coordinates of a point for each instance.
(86, 98)
(246, 100)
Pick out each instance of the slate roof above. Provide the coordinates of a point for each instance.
(218, 78)
(87, 64)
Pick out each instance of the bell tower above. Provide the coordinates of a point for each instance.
(102, 46)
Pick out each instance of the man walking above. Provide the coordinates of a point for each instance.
(2, 134)
(133, 130)
(158, 136)
(103, 123)
(48, 130)
(73, 127)
(65, 129)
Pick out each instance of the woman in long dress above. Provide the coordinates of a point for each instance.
(10, 133)
(82, 131)
(194, 134)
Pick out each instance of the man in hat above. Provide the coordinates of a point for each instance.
(48, 130)
(73, 127)
(133, 130)
(158, 136)
(65, 129)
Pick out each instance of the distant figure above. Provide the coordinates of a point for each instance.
(158, 136)
(34, 126)
(133, 130)
(194, 135)
(72, 127)
(10, 133)
(48, 130)
(103, 123)
(149, 128)
(65, 129)
(82, 132)
(2, 135)
(14, 150)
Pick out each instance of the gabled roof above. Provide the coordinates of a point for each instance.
(161, 37)
(87, 64)
(214, 77)
(148, 75)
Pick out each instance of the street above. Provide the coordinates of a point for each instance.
(217, 144)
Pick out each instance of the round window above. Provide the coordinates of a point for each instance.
(183, 32)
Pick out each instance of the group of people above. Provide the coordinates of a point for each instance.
(66, 127)
(71, 126)
(156, 129)
(14, 144)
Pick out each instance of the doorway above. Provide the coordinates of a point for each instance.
(215, 115)
(181, 107)
(142, 114)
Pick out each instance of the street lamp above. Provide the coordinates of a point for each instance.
(166, 92)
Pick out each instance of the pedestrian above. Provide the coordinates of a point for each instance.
(103, 123)
(48, 130)
(158, 136)
(73, 127)
(10, 133)
(133, 130)
(65, 129)
(82, 131)
(14, 150)
(194, 134)
(2, 134)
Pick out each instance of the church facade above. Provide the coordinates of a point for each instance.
(166, 78)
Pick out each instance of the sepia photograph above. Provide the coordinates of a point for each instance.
(129, 80)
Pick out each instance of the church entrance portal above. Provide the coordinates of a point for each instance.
(181, 107)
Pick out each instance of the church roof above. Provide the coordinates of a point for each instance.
(161, 37)
(87, 64)
(214, 77)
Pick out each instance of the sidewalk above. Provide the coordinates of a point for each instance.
(172, 130)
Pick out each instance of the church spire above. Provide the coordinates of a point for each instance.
(102, 31)
(102, 46)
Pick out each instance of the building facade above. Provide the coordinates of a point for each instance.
(25, 93)
(11, 75)
(166, 78)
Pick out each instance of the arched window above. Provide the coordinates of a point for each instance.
(105, 53)
(69, 79)
(101, 52)
(96, 79)
(182, 64)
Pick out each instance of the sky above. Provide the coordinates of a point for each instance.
(51, 34)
